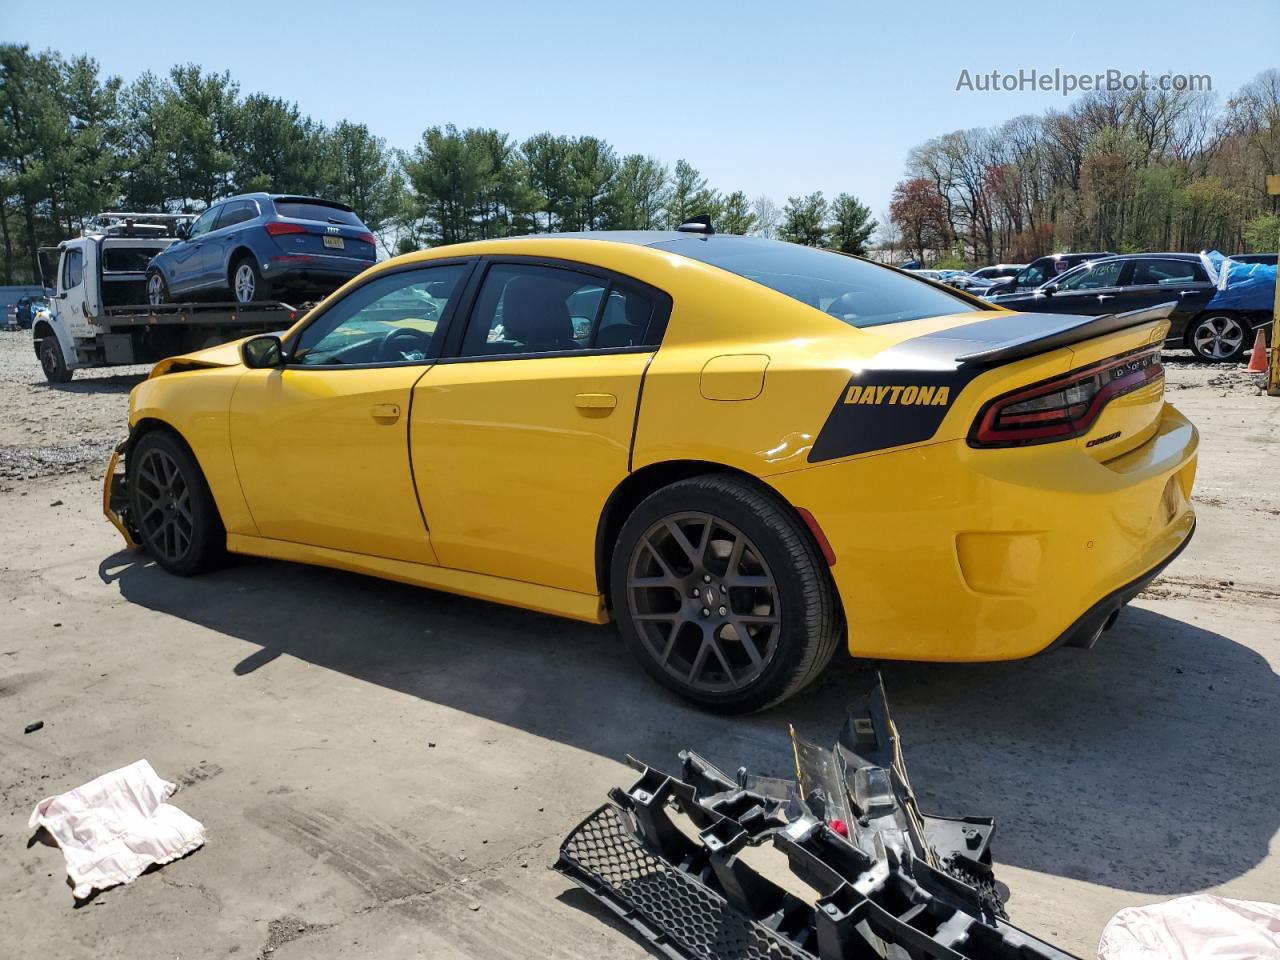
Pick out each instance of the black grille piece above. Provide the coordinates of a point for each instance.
(887, 882)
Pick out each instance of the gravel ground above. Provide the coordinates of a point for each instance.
(386, 771)
(48, 430)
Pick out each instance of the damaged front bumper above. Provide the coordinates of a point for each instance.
(115, 496)
(870, 876)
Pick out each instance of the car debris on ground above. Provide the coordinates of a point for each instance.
(884, 880)
(114, 827)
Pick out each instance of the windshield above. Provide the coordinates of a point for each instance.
(861, 294)
(127, 259)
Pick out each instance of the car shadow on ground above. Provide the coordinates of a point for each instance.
(1145, 764)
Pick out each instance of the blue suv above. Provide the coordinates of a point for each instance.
(262, 246)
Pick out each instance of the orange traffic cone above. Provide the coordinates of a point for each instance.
(1258, 359)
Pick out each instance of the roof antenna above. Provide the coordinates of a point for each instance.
(698, 223)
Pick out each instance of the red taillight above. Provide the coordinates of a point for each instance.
(276, 228)
(1065, 406)
(365, 238)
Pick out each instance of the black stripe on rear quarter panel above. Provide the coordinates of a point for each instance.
(904, 392)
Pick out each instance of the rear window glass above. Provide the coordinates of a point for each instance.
(126, 260)
(859, 293)
(302, 210)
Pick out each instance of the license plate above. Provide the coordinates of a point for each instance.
(336, 242)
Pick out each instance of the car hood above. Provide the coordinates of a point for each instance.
(223, 355)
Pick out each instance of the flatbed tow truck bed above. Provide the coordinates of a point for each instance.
(273, 315)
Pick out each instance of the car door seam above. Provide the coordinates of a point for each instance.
(635, 420)
(408, 449)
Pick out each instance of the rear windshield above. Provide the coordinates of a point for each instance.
(302, 210)
(859, 293)
(127, 259)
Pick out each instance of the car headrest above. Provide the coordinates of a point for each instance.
(534, 312)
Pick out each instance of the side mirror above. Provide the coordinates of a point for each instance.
(1049, 289)
(183, 230)
(262, 353)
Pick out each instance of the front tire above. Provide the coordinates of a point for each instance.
(157, 289)
(52, 362)
(247, 284)
(1218, 337)
(171, 507)
(722, 596)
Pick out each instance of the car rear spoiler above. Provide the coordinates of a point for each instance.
(1063, 330)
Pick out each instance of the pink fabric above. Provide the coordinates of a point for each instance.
(112, 828)
(1200, 927)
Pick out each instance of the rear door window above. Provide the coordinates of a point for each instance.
(1164, 272)
(237, 212)
(319, 212)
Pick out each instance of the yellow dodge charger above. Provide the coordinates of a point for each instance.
(746, 452)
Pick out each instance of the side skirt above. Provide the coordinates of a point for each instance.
(588, 608)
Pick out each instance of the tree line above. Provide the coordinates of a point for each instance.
(74, 143)
(1127, 171)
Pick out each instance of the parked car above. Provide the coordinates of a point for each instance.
(1041, 271)
(28, 308)
(997, 271)
(1132, 281)
(262, 246)
(750, 453)
(968, 282)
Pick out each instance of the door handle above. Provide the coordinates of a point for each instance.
(385, 412)
(1189, 293)
(595, 401)
(1106, 296)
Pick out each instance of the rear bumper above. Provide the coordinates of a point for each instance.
(312, 269)
(945, 552)
(1086, 630)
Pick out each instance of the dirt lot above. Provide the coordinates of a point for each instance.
(386, 771)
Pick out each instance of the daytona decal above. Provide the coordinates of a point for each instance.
(887, 408)
(925, 396)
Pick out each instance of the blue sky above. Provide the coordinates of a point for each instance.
(779, 98)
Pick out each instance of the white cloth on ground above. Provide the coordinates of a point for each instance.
(112, 828)
(1199, 927)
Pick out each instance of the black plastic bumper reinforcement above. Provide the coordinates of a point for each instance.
(866, 875)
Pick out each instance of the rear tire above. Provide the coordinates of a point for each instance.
(247, 284)
(171, 507)
(52, 362)
(706, 562)
(1219, 337)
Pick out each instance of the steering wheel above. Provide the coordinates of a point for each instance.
(401, 340)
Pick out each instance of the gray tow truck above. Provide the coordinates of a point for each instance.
(98, 313)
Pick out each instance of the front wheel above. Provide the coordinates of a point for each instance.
(171, 507)
(1218, 337)
(157, 289)
(722, 595)
(52, 362)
